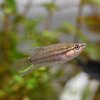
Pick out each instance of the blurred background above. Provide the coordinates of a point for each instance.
(25, 24)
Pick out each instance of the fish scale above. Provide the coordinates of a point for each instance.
(49, 56)
(51, 50)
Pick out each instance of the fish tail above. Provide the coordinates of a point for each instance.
(21, 64)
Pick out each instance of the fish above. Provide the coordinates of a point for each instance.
(48, 56)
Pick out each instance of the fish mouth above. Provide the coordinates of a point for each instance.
(83, 45)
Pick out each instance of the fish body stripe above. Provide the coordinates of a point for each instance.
(51, 56)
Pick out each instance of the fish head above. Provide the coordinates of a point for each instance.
(75, 50)
(78, 48)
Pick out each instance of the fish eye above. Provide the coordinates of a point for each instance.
(77, 47)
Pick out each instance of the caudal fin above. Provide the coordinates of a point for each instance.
(21, 64)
